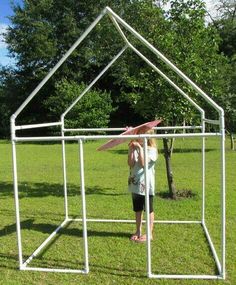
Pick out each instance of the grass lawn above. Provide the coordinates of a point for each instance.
(113, 259)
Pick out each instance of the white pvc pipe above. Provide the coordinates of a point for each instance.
(59, 270)
(34, 126)
(126, 137)
(119, 29)
(212, 122)
(64, 174)
(178, 128)
(95, 130)
(147, 208)
(82, 183)
(133, 221)
(124, 129)
(178, 222)
(223, 213)
(219, 267)
(37, 251)
(17, 207)
(203, 171)
(176, 276)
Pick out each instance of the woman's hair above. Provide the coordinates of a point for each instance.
(151, 141)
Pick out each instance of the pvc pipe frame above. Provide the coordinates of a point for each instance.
(24, 265)
(220, 263)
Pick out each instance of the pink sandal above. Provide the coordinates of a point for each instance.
(142, 239)
(134, 237)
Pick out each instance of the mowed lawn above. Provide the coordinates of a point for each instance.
(113, 259)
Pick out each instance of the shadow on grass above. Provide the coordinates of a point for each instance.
(181, 194)
(9, 261)
(49, 228)
(116, 271)
(7, 230)
(48, 189)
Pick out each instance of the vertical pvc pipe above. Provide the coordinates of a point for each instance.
(203, 170)
(84, 221)
(64, 172)
(148, 234)
(223, 215)
(16, 194)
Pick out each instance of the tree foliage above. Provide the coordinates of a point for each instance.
(43, 30)
(92, 111)
(226, 27)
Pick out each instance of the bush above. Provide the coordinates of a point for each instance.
(92, 111)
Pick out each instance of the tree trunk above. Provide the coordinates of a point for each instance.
(170, 178)
(171, 146)
(232, 141)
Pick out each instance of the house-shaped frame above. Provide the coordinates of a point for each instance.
(118, 23)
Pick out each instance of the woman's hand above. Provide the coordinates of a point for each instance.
(135, 144)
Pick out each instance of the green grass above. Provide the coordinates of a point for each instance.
(113, 259)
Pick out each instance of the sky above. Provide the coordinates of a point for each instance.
(5, 11)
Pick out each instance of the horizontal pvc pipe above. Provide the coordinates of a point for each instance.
(175, 276)
(124, 129)
(133, 221)
(126, 137)
(179, 222)
(213, 122)
(94, 130)
(212, 247)
(36, 252)
(178, 128)
(102, 220)
(44, 125)
(54, 270)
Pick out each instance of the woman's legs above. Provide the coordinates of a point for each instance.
(138, 206)
(138, 234)
(143, 238)
(151, 224)
(138, 219)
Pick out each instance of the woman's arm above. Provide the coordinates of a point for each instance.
(131, 160)
(140, 152)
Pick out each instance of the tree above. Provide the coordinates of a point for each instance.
(183, 37)
(92, 111)
(43, 30)
(226, 27)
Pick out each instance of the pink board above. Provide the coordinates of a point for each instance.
(141, 129)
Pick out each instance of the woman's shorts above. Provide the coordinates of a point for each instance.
(139, 202)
